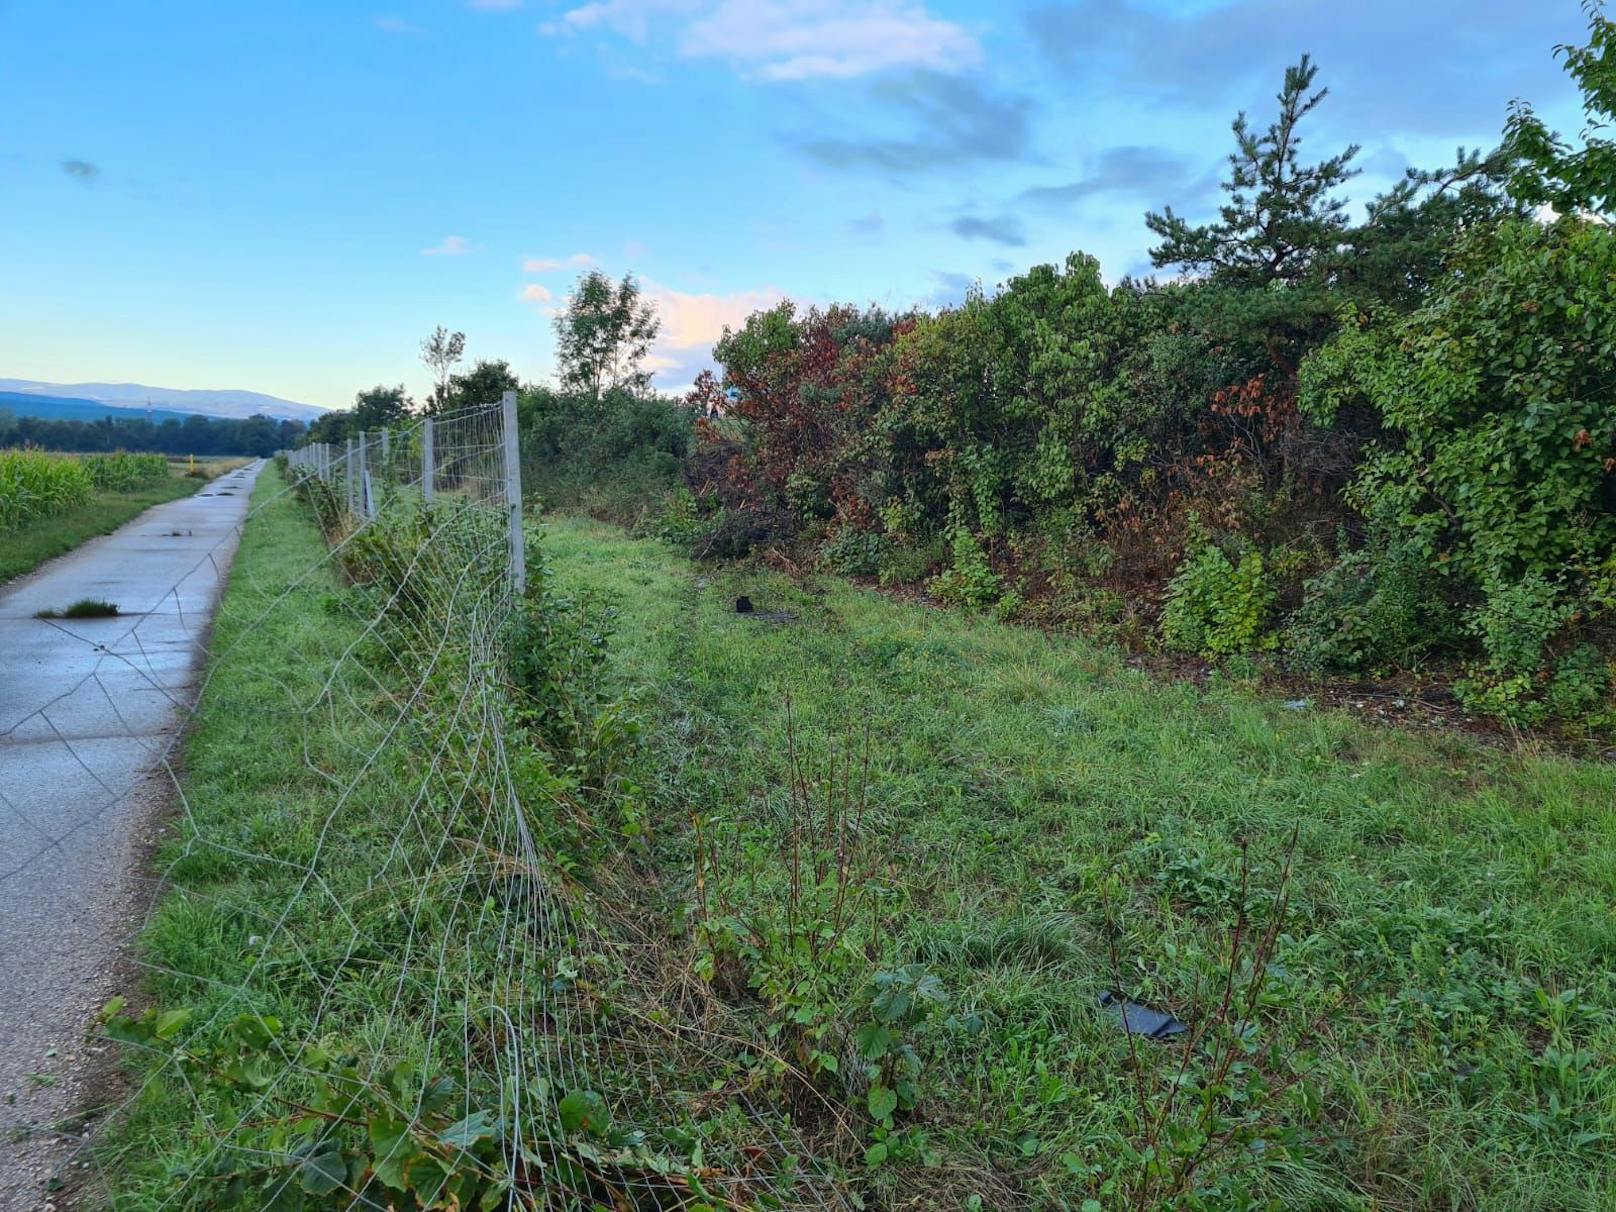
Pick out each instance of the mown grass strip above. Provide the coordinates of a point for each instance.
(250, 781)
(1436, 1027)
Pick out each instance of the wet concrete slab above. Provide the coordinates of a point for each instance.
(89, 708)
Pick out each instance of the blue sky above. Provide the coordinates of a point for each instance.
(287, 196)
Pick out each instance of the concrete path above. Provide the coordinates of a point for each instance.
(88, 710)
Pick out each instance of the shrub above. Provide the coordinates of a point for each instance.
(911, 563)
(856, 553)
(1521, 680)
(970, 582)
(1375, 609)
(1498, 462)
(1217, 609)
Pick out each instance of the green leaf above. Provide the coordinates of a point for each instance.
(882, 1102)
(467, 1132)
(390, 1140)
(875, 1155)
(873, 1040)
(173, 1022)
(323, 1173)
(584, 1110)
(255, 1030)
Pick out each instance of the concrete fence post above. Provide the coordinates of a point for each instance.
(513, 493)
(428, 472)
(387, 466)
(348, 478)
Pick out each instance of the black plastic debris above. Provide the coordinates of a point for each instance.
(743, 605)
(1141, 1020)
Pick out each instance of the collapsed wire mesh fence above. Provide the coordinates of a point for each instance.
(397, 903)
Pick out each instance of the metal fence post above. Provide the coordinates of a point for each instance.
(387, 466)
(427, 470)
(513, 494)
(367, 502)
(348, 477)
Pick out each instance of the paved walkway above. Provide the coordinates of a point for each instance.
(88, 710)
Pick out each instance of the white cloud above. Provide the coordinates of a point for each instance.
(450, 246)
(791, 39)
(694, 321)
(396, 25)
(534, 293)
(630, 18)
(548, 265)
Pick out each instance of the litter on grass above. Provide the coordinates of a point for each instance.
(1141, 1020)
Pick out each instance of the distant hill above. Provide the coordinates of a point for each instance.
(222, 403)
(64, 408)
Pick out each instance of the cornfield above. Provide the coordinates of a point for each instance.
(122, 471)
(34, 484)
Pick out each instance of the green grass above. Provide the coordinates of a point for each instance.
(1440, 1000)
(31, 544)
(84, 608)
(1433, 1027)
(251, 787)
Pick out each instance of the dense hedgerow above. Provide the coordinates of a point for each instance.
(1362, 447)
(1356, 446)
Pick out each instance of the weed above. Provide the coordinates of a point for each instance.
(84, 608)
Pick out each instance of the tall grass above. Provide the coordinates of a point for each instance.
(37, 485)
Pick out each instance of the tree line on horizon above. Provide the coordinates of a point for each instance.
(252, 437)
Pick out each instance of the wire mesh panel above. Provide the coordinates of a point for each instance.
(371, 964)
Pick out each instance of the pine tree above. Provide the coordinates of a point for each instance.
(1283, 221)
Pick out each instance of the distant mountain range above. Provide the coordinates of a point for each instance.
(127, 396)
(66, 408)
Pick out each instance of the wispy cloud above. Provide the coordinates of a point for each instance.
(789, 39)
(1452, 61)
(1001, 229)
(534, 293)
(397, 25)
(450, 246)
(549, 265)
(951, 122)
(866, 225)
(81, 170)
(1147, 173)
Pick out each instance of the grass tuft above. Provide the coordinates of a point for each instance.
(84, 608)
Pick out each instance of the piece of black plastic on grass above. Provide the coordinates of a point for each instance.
(1141, 1020)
